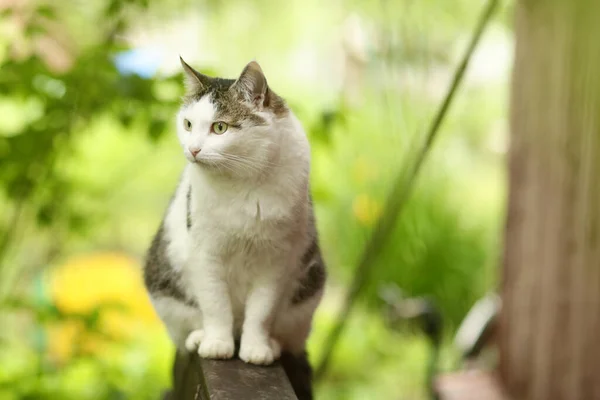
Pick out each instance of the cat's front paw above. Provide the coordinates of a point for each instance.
(217, 348)
(194, 339)
(259, 352)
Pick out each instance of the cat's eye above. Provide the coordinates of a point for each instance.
(187, 124)
(219, 127)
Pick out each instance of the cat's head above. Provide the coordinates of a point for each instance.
(229, 126)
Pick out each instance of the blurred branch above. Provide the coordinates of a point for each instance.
(400, 193)
(8, 235)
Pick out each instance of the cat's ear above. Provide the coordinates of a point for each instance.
(194, 80)
(252, 84)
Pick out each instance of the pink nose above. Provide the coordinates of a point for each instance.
(194, 152)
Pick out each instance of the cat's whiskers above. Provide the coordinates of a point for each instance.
(237, 167)
(250, 158)
(250, 161)
(238, 164)
(241, 161)
(220, 163)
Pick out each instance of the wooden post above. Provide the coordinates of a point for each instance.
(550, 322)
(200, 379)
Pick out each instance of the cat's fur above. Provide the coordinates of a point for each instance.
(237, 254)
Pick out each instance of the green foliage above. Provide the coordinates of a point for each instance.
(124, 371)
(444, 243)
(57, 105)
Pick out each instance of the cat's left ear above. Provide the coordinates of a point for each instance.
(252, 85)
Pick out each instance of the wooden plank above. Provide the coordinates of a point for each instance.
(188, 382)
(195, 378)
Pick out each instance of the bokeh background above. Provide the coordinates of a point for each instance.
(89, 159)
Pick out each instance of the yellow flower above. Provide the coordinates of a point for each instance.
(110, 282)
(366, 209)
(364, 170)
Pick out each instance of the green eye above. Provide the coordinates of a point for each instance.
(219, 127)
(187, 124)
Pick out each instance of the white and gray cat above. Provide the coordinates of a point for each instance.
(237, 254)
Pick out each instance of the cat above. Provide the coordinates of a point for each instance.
(237, 256)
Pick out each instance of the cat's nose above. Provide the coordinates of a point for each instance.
(194, 151)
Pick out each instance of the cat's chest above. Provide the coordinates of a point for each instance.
(240, 215)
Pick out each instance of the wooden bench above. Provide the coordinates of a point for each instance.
(195, 378)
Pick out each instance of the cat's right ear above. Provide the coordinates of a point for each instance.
(194, 80)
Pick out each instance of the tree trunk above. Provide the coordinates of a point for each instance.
(550, 323)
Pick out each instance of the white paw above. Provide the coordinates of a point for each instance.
(216, 348)
(260, 353)
(193, 340)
